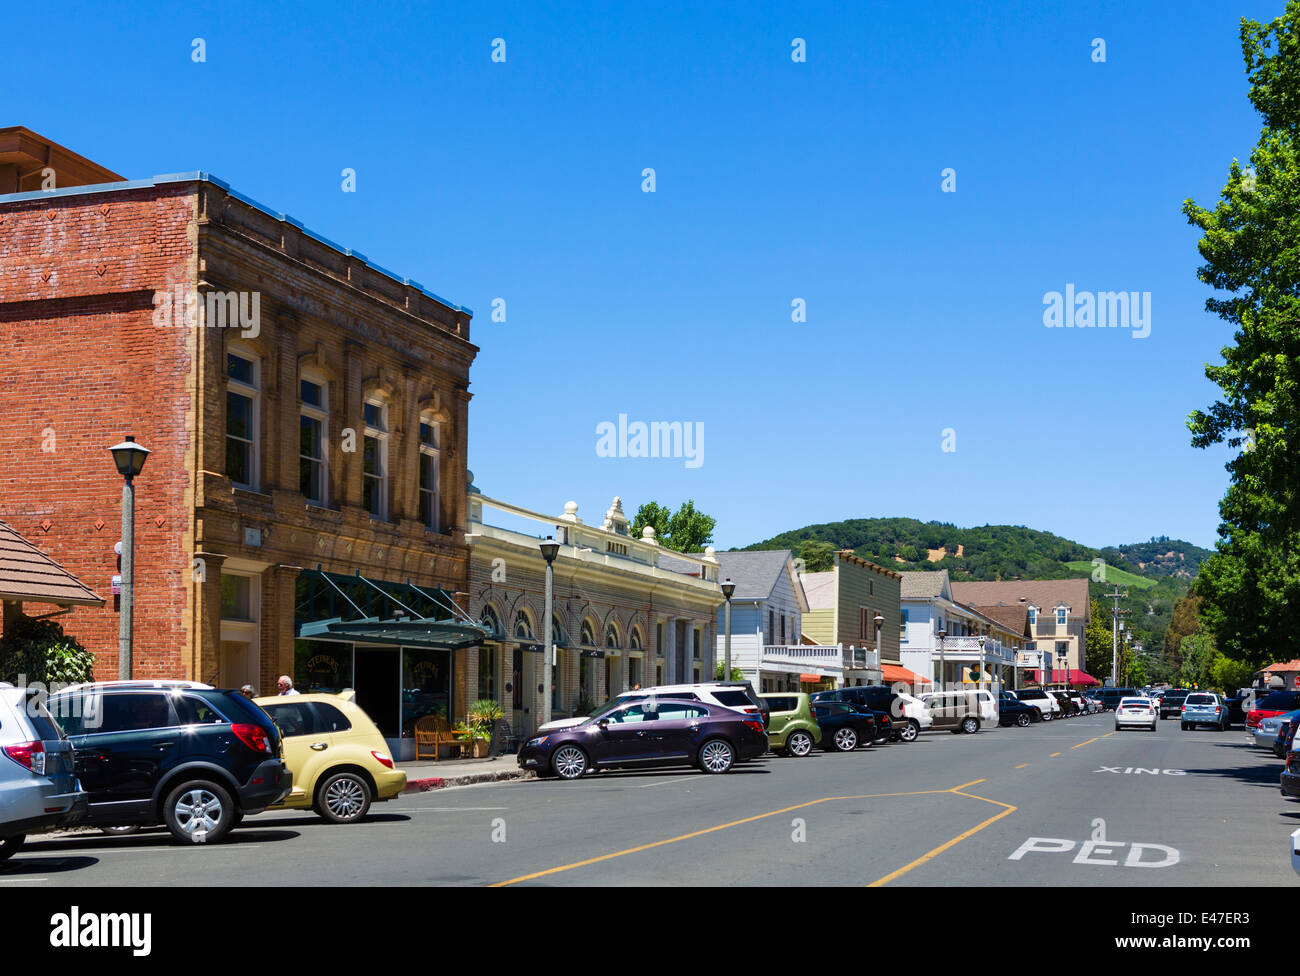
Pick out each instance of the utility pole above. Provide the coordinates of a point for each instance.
(1115, 597)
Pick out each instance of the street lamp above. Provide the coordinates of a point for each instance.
(942, 664)
(983, 665)
(129, 458)
(878, 619)
(728, 591)
(550, 548)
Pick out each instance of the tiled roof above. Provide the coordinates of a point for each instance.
(27, 574)
(921, 585)
(1014, 618)
(819, 590)
(1044, 594)
(754, 573)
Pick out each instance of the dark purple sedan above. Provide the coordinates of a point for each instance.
(649, 733)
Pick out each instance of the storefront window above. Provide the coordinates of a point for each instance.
(426, 686)
(322, 666)
(487, 671)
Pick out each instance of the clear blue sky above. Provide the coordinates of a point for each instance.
(775, 180)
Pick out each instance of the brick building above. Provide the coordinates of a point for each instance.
(306, 413)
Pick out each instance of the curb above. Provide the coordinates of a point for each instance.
(442, 782)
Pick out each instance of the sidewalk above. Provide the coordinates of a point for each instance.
(425, 774)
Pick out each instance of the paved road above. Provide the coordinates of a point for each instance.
(945, 810)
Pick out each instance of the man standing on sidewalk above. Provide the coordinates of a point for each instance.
(286, 686)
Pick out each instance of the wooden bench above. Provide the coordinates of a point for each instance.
(433, 731)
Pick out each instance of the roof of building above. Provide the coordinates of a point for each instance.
(819, 589)
(28, 575)
(77, 176)
(1014, 618)
(849, 556)
(754, 573)
(32, 157)
(923, 584)
(1044, 594)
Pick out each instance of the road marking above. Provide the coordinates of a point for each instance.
(725, 826)
(924, 858)
(454, 809)
(1022, 765)
(1093, 739)
(21, 878)
(1053, 755)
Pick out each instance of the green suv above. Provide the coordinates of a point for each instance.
(792, 728)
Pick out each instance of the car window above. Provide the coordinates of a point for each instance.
(329, 718)
(1200, 699)
(127, 712)
(293, 719)
(732, 699)
(191, 710)
(782, 704)
(640, 712)
(42, 722)
(679, 711)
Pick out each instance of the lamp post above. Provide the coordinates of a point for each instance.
(549, 550)
(983, 667)
(878, 620)
(942, 668)
(129, 458)
(728, 591)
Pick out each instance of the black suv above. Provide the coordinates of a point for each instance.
(176, 753)
(1171, 703)
(883, 702)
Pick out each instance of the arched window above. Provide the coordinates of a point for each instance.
(492, 620)
(611, 635)
(636, 642)
(588, 634)
(524, 626)
(430, 472)
(558, 634)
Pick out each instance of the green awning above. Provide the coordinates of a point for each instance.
(333, 606)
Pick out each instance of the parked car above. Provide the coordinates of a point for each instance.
(793, 729)
(648, 734)
(38, 782)
(182, 754)
(1273, 703)
(1093, 704)
(1203, 708)
(1291, 774)
(1285, 737)
(1265, 734)
(1069, 707)
(962, 711)
(738, 695)
(1236, 708)
(337, 755)
(1012, 711)
(908, 715)
(1111, 697)
(1047, 704)
(844, 725)
(1135, 712)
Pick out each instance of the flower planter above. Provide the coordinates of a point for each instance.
(481, 747)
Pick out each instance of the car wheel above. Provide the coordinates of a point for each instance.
(199, 812)
(846, 740)
(121, 829)
(343, 798)
(1183, 725)
(1047, 716)
(970, 725)
(9, 846)
(910, 731)
(716, 756)
(1022, 719)
(799, 743)
(569, 762)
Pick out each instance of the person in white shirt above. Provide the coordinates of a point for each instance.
(286, 686)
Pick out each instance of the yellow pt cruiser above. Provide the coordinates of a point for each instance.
(338, 757)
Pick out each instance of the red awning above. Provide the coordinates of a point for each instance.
(1073, 677)
(811, 679)
(894, 674)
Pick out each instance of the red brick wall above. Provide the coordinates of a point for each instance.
(81, 367)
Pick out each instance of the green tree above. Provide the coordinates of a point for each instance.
(736, 673)
(1098, 642)
(1186, 620)
(1251, 586)
(1198, 653)
(1229, 675)
(685, 530)
(39, 650)
(818, 556)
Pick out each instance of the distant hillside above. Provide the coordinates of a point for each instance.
(1155, 573)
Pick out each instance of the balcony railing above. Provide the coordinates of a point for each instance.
(861, 659)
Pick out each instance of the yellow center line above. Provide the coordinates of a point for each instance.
(1022, 765)
(1093, 739)
(1053, 755)
(1009, 809)
(725, 826)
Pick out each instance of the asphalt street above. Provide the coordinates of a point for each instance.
(1064, 803)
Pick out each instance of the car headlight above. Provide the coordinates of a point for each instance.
(537, 741)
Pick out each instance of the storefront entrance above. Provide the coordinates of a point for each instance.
(378, 683)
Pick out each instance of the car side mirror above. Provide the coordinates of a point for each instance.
(603, 723)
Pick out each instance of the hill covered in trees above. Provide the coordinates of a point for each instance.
(1006, 552)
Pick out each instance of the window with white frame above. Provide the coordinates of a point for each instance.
(243, 396)
(429, 473)
(1033, 616)
(902, 626)
(1060, 616)
(313, 431)
(374, 460)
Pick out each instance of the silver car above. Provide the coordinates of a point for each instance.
(38, 783)
(1204, 708)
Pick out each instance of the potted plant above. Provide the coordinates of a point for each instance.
(483, 717)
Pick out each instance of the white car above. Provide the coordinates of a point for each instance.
(1136, 713)
(736, 695)
(916, 710)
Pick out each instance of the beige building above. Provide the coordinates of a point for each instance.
(843, 604)
(1057, 612)
(620, 618)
